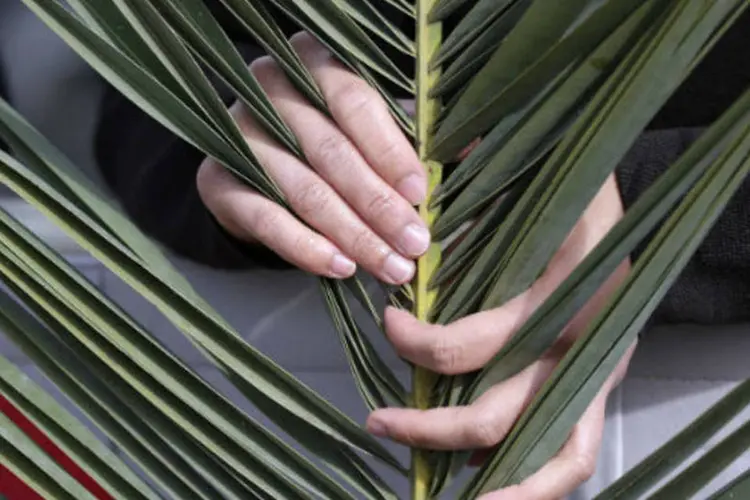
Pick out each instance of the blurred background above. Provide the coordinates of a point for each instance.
(677, 371)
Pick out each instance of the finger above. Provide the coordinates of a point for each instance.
(482, 424)
(463, 346)
(364, 117)
(571, 467)
(251, 217)
(337, 161)
(318, 204)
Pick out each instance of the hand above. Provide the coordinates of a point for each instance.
(358, 192)
(470, 343)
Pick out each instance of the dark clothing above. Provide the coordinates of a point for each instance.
(153, 174)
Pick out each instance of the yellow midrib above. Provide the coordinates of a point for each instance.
(429, 37)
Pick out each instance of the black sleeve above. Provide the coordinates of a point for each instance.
(714, 288)
(153, 173)
(715, 285)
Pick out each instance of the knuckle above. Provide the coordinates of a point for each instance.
(584, 466)
(352, 99)
(264, 224)
(364, 243)
(204, 180)
(302, 42)
(445, 355)
(301, 38)
(390, 153)
(332, 150)
(263, 67)
(485, 430)
(212, 182)
(304, 250)
(409, 436)
(381, 206)
(312, 198)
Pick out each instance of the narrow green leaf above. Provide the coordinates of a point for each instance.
(34, 467)
(70, 435)
(736, 490)
(46, 161)
(205, 37)
(169, 456)
(259, 22)
(474, 23)
(285, 393)
(372, 19)
(145, 91)
(165, 43)
(641, 478)
(375, 381)
(211, 426)
(109, 22)
(544, 326)
(693, 479)
(479, 32)
(328, 21)
(600, 138)
(519, 69)
(444, 8)
(404, 6)
(535, 129)
(357, 288)
(547, 422)
(458, 260)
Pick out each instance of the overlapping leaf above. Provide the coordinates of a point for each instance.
(35, 468)
(646, 474)
(167, 386)
(692, 480)
(739, 488)
(99, 462)
(517, 73)
(195, 322)
(546, 424)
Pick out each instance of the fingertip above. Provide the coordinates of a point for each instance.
(398, 270)
(377, 428)
(377, 424)
(413, 187)
(393, 423)
(395, 317)
(342, 266)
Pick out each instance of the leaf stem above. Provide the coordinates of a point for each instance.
(429, 37)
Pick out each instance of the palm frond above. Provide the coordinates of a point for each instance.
(557, 92)
(641, 478)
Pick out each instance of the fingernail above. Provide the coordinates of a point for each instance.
(342, 267)
(415, 240)
(414, 188)
(398, 269)
(377, 428)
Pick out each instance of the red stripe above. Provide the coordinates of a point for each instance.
(13, 488)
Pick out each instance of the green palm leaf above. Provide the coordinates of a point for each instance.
(557, 91)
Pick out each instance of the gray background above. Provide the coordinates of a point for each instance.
(676, 373)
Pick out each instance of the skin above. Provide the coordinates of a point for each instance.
(358, 195)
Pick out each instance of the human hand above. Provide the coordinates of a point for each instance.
(358, 192)
(469, 343)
